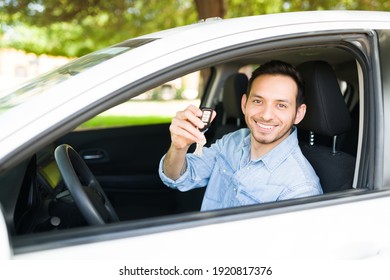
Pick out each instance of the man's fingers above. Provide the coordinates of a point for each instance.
(185, 129)
(192, 114)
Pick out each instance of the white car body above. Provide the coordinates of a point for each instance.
(351, 227)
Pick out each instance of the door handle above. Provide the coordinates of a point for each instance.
(92, 157)
(94, 154)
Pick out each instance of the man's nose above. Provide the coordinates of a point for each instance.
(267, 112)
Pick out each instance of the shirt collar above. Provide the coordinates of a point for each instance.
(277, 155)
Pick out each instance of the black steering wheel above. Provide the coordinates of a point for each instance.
(84, 188)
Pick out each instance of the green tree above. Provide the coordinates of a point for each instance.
(237, 8)
(74, 27)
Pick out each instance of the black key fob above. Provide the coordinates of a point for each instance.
(206, 118)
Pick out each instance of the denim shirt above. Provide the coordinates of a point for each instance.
(233, 179)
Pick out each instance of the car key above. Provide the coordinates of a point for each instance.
(206, 119)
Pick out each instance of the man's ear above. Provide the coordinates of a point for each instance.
(243, 103)
(300, 114)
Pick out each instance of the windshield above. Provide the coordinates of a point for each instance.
(12, 98)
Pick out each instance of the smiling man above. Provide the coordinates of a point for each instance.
(258, 164)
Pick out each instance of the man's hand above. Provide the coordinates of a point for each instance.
(185, 127)
(184, 132)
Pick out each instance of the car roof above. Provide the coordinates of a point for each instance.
(220, 27)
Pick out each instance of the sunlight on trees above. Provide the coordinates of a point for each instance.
(74, 28)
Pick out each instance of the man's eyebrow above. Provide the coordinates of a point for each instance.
(258, 95)
(255, 95)
(283, 100)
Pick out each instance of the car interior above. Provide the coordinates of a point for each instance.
(124, 160)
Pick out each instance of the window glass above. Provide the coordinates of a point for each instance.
(155, 106)
(43, 83)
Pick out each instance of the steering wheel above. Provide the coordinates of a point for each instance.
(84, 188)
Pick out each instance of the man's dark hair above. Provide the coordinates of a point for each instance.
(276, 67)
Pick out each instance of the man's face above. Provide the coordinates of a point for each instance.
(270, 110)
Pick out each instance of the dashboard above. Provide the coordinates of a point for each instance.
(43, 202)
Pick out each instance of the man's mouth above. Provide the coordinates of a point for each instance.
(265, 126)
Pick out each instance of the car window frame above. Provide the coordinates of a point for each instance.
(43, 241)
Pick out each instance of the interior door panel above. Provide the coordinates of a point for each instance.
(125, 161)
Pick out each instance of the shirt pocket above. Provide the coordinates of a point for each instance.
(261, 194)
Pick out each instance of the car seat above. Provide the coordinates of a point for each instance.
(231, 116)
(327, 115)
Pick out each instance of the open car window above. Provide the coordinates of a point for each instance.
(12, 98)
(155, 106)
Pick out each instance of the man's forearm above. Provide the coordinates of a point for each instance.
(175, 163)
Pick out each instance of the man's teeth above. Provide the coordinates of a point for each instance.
(264, 126)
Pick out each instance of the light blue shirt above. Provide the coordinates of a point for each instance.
(233, 179)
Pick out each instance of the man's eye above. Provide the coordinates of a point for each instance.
(257, 101)
(282, 106)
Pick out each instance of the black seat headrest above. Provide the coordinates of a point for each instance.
(235, 86)
(327, 113)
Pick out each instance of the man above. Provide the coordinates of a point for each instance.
(261, 163)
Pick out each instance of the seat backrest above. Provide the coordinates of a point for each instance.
(232, 117)
(327, 115)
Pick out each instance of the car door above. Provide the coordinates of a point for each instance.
(5, 249)
(123, 148)
(125, 162)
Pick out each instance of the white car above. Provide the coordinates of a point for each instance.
(344, 58)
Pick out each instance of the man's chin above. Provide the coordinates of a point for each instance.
(264, 139)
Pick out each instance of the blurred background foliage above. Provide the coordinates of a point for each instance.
(73, 28)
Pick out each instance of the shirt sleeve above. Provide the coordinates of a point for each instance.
(200, 168)
(197, 173)
(168, 181)
(300, 191)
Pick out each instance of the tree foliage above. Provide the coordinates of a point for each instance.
(237, 8)
(74, 27)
